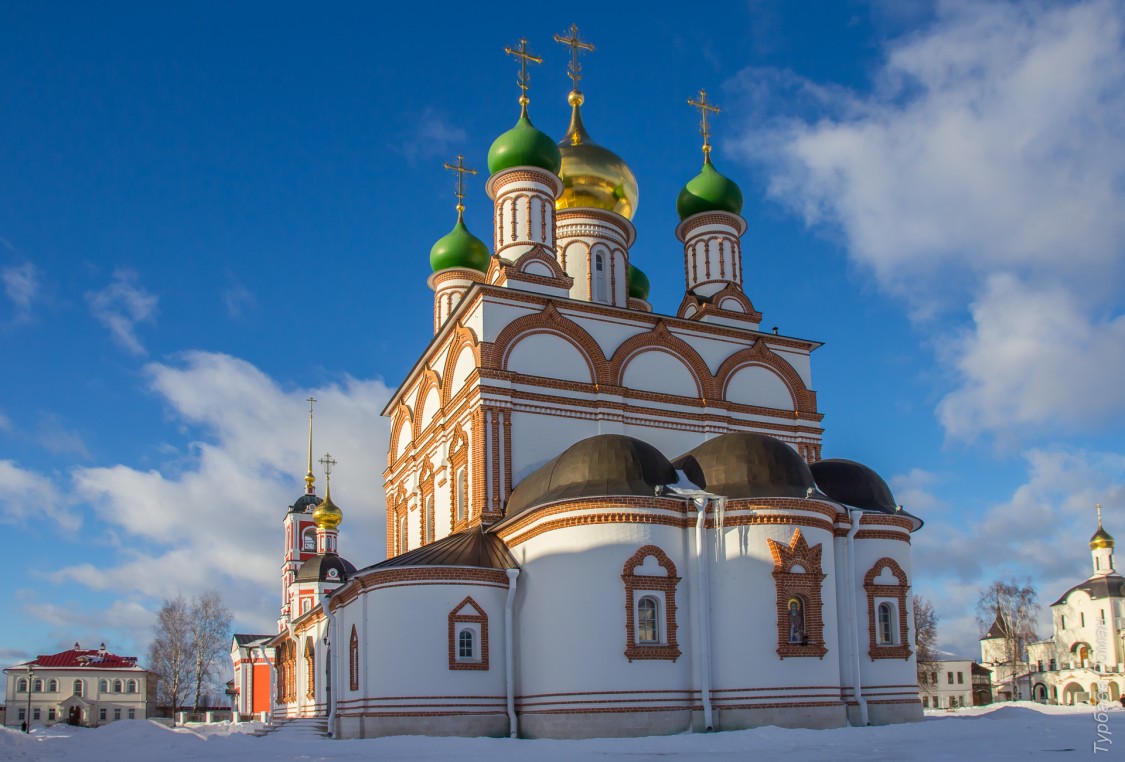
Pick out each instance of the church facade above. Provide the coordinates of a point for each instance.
(600, 521)
(1084, 659)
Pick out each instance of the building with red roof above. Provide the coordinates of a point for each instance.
(80, 686)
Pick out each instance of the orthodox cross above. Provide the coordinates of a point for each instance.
(576, 46)
(327, 461)
(1099, 507)
(461, 171)
(704, 107)
(523, 80)
(309, 476)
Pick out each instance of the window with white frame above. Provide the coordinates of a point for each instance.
(103, 685)
(21, 686)
(650, 604)
(37, 687)
(132, 687)
(885, 624)
(79, 688)
(599, 278)
(308, 540)
(404, 543)
(648, 620)
(430, 518)
(467, 644)
(53, 685)
(132, 714)
(462, 493)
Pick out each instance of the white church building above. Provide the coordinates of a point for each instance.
(601, 521)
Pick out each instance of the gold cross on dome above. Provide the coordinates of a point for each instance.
(1099, 507)
(704, 107)
(577, 46)
(524, 55)
(461, 171)
(327, 461)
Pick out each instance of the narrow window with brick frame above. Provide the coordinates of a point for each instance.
(353, 661)
(886, 586)
(650, 606)
(798, 579)
(468, 636)
(310, 669)
(426, 505)
(460, 503)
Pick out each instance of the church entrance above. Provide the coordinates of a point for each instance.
(74, 716)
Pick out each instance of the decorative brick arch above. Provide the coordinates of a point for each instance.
(459, 459)
(496, 355)
(403, 417)
(635, 587)
(461, 337)
(897, 592)
(804, 400)
(804, 586)
(661, 339)
(580, 248)
(539, 254)
(353, 660)
(470, 612)
(429, 380)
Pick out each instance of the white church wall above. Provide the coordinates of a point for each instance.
(464, 366)
(659, 371)
(800, 361)
(550, 356)
(538, 437)
(760, 386)
(407, 684)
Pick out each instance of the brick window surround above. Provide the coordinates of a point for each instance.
(426, 490)
(636, 585)
(805, 586)
(896, 593)
(468, 611)
(310, 670)
(353, 661)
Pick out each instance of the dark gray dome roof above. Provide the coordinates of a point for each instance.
(469, 547)
(745, 464)
(327, 568)
(854, 484)
(304, 504)
(607, 464)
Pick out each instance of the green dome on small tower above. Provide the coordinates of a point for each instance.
(638, 284)
(459, 248)
(524, 146)
(709, 191)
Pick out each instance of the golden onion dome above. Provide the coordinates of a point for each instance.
(593, 176)
(1101, 539)
(327, 515)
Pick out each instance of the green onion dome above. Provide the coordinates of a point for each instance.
(524, 146)
(709, 191)
(459, 248)
(638, 284)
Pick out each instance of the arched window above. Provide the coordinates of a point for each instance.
(308, 540)
(403, 541)
(118, 686)
(353, 661)
(53, 685)
(795, 609)
(599, 278)
(103, 686)
(648, 620)
(21, 686)
(79, 688)
(37, 687)
(131, 687)
(465, 644)
(310, 669)
(430, 518)
(886, 624)
(462, 493)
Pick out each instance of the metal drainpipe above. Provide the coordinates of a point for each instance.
(333, 661)
(704, 614)
(509, 654)
(853, 609)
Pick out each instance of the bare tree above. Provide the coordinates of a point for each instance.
(209, 632)
(925, 640)
(169, 654)
(1008, 610)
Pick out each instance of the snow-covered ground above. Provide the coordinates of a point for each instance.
(1020, 731)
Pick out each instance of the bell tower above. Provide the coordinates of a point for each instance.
(300, 534)
(1101, 549)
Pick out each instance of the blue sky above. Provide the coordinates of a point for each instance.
(209, 212)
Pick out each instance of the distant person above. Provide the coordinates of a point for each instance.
(1122, 700)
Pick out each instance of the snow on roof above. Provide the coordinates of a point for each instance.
(81, 657)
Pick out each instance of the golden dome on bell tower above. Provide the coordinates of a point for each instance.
(593, 176)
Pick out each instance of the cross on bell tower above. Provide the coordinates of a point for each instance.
(704, 129)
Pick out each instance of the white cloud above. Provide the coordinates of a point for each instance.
(237, 297)
(213, 515)
(121, 305)
(21, 286)
(985, 169)
(55, 436)
(38, 496)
